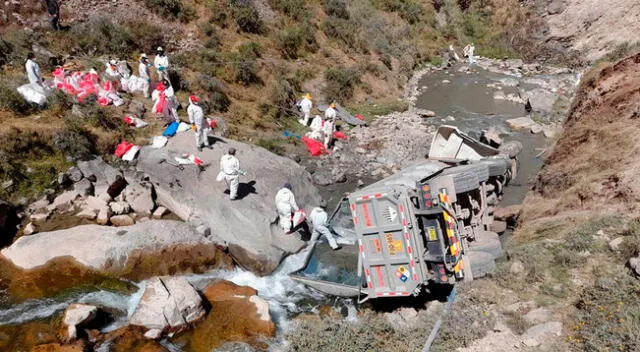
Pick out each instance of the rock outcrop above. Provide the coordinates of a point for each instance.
(247, 225)
(168, 303)
(237, 314)
(77, 315)
(102, 247)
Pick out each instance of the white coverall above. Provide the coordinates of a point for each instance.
(330, 114)
(162, 66)
(170, 94)
(286, 205)
(327, 129)
(196, 117)
(230, 167)
(143, 72)
(319, 219)
(33, 72)
(316, 128)
(305, 107)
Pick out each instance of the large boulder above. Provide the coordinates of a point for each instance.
(247, 225)
(168, 303)
(104, 247)
(101, 173)
(140, 197)
(237, 314)
(78, 315)
(8, 222)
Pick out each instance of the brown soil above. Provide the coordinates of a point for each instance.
(594, 164)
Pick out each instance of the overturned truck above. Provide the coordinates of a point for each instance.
(429, 223)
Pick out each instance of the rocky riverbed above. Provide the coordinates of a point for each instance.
(145, 221)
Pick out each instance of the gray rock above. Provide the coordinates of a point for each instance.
(137, 107)
(94, 203)
(7, 184)
(555, 7)
(100, 246)
(88, 214)
(120, 208)
(168, 302)
(103, 173)
(77, 315)
(159, 213)
(634, 263)
(153, 334)
(449, 118)
(535, 129)
(63, 179)
(538, 316)
(549, 132)
(425, 113)
(84, 187)
(516, 267)
(323, 178)
(122, 220)
(520, 123)
(65, 201)
(75, 174)
(614, 245)
(39, 218)
(536, 334)
(519, 307)
(245, 224)
(29, 229)
(103, 216)
(140, 197)
(39, 206)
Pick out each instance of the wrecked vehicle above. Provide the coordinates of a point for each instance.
(429, 223)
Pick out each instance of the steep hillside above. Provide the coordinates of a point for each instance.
(248, 60)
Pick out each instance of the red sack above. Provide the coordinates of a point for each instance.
(128, 120)
(159, 107)
(316, 148)
(359, 117)
(213, 124)
(340, 135)
(123, 148)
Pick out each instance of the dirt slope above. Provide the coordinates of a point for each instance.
(594, 165)
(591, 27)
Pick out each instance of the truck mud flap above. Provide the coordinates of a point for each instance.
(330, 288)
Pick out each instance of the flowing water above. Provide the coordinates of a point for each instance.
(468, 97)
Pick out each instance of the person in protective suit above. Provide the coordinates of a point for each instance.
(286, 206)
(319, 224)
(33, 70)
(198, 122)
(161, 63)
(230, 172)
(305, 106)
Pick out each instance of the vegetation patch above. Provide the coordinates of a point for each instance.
(340, 83)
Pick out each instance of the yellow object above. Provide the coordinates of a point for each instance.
(194, 128)
(308, 96)
(333, 105)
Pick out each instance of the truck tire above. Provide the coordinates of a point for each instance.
(481, 263)
(467, 177)
(487, 242)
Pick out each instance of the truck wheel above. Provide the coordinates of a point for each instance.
(487, 242)
(481, 263)
(467, 177)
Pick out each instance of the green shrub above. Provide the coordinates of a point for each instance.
(246, 71)
(246, 16)
(336, 8)
(293, 40)
(271, 145)
(172, 9)
(101, 36)
(11, 100)
(216, 100)
(284, 96)
(295, 9)
(340, 29)
(75, 140)
(340, 83)
(14, 47)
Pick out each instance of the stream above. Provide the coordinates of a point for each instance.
(468, 96)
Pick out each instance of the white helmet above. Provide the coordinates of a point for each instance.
(159, 49)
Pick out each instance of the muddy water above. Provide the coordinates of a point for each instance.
(469, 98)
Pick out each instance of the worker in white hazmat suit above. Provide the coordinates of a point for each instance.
(468, 53)
(161, 63)
(327, 129)
(33, 70)
(112, 70)
(143, 72)
(286, 206)
(319, 223)
(305, 106)
(230, 172)
(331, 113)
(198, 122)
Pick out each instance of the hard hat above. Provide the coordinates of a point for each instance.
(308, 96)
(112, 62)
(194, 99)
(159, 49)
(333, 105)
